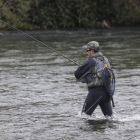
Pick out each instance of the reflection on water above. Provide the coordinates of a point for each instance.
(40, 98)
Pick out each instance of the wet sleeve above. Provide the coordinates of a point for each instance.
(84, 68)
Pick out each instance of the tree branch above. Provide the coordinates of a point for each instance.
(136, 4)
(6, 3)
(68, 10)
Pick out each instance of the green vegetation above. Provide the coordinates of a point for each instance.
(53, 14)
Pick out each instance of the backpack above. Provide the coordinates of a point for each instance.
(109, 83)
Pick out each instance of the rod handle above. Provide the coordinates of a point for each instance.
(112, 101)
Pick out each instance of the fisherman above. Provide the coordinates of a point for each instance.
(97, 93)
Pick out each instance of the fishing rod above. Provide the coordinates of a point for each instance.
(39, 42)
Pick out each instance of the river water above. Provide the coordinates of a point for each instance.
(40, 99)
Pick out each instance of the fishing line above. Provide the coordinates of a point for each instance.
(93, 104)
(85, 112)
(39, 42)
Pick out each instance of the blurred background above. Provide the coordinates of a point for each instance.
(53, 14)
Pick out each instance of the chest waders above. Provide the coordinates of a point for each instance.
(100, 75)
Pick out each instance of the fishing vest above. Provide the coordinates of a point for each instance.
(94, 77)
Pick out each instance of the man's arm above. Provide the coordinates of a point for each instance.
(84, 68)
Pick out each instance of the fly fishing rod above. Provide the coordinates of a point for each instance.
(39, 42)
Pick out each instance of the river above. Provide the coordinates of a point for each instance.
(40, 99)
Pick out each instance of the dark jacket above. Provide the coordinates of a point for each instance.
(90, 63)
(84, 68)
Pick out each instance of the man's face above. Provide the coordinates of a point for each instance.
(90, 52)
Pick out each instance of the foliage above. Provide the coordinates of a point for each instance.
(44, 14)
(127, 13)
(14, 11)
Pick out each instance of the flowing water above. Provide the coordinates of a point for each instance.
(40, 99)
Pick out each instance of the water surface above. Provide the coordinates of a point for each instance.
(40, 99)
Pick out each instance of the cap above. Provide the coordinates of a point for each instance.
(93, 45)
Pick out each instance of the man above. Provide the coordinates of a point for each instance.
(97, 93)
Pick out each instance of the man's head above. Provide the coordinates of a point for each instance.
(92, 47)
